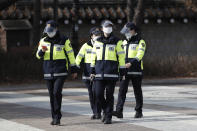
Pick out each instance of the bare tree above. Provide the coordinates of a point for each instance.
(75, 26)
(191, 4)
(135, 15)
(130, 9)
(139, 13)
(6, 3)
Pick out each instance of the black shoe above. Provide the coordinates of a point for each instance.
(56, 122)
(138, 115)
(98, 116)
(93, 117)
(107, 121)
(103, 117)
(52, 122)
(117, 114)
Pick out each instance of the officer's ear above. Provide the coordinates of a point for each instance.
(91, 36)
(133, 32)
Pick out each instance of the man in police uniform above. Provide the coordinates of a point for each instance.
(134, 48)
(107, 62)
(85, 54)
(57, 53)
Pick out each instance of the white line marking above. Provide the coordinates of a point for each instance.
(6, 125)
(160, 120)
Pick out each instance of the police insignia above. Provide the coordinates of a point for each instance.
(143, 45)
(58, 48)
(111, 48)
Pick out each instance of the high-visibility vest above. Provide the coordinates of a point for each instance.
(85, 55)
(108, 58)
(134, 50)
(57, 58)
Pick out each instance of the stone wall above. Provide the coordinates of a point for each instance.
(162, 39)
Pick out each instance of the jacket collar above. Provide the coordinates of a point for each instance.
(90, 43)
(55, 40)
(111, 39)
(134, 38)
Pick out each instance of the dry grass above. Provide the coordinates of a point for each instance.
(21, 65)
(173, 66)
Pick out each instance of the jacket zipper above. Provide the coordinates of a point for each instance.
(51, 58)
(103, 57)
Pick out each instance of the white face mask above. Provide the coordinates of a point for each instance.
(95, 38)
(107, 30)
(128, 36)
(51, 34)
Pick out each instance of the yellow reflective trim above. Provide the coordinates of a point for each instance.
(87, 53)
(58, 52)
(69, 51)
(110, 52)
(47, 53)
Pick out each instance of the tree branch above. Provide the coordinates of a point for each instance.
(6, 3)
(139, 13)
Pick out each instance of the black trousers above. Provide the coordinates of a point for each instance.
(55, 92)
(91, 91)
(105, 102)
(136, 81)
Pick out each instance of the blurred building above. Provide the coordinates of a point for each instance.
(92, 11)
(171, 24)
(14, 33)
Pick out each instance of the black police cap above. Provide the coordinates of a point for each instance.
(131, 26)
(94, 31)
(127, 27)
(51, 25)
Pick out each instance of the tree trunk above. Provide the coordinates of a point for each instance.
(130, 9)
(36, 22)
(75, 27)
(139, 13)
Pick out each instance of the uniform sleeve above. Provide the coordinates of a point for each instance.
(141, 50)
(93, 60)
(121, 57)
(71, 56)
(40, 53)
(80, 56)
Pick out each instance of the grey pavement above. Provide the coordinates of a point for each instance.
(169, 105)
(80, 84)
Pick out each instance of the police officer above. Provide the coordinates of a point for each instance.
(134, 47)
(107, 62)
(85, 54)
(56, 52)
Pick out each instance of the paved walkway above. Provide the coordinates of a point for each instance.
(170, 107)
